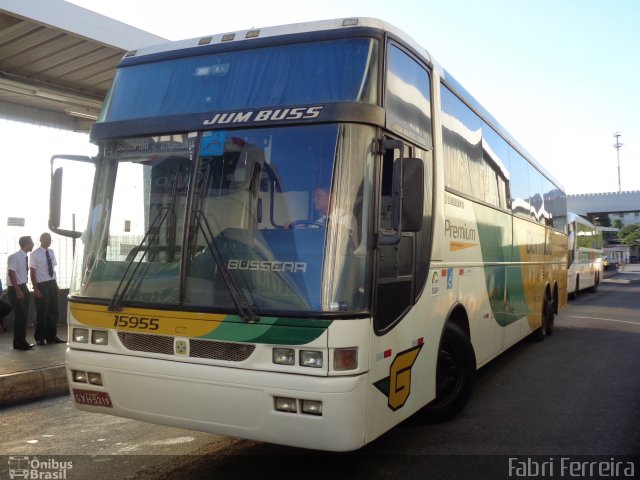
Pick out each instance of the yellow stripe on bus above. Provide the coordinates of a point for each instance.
(455, 246)
(188, 324)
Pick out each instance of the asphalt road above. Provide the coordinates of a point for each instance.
(575, 394)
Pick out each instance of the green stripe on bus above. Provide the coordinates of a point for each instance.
(494, 231)
(270, 330)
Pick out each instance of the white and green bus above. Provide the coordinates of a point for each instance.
(302, 235)
(585, 255)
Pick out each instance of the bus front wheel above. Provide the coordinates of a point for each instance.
(455, 375)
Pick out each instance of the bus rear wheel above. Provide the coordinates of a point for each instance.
(455, 376)
(547, 324)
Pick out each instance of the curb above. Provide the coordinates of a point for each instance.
(32, 385)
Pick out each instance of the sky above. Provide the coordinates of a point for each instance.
(560, 75)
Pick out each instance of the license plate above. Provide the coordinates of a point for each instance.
(89, 397)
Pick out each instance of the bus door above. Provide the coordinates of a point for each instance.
(394, 279)
(402, 251)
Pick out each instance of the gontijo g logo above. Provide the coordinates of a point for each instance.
(397, 386)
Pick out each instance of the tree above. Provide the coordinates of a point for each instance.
(603, 221)
(630, 235)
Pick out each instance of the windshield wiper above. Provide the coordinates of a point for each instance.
(246, 311)
(151, 235)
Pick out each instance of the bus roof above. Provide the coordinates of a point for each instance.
(280, 30)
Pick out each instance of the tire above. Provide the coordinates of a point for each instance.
(455, 376)
(547, 324)
(574, 295)
(596, 280)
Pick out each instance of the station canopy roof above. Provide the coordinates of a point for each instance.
(57, 61)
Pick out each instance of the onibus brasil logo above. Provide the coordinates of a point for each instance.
(34, 468)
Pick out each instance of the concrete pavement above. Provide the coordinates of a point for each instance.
(40, 372)
(32, 374)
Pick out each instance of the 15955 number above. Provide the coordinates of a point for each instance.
(140, 323)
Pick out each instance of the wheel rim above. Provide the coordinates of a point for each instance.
(448, 374)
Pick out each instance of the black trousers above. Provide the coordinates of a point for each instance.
(5, 309)
(47, 311)
(20, 314)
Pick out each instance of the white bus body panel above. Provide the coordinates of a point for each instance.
(227, 401)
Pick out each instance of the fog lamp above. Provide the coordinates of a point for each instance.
(79, 377)
(284, 404)
(95, 378)
(312, 407)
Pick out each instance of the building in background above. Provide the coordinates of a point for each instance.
(610, 211)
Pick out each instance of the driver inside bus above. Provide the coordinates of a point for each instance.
(321, 199)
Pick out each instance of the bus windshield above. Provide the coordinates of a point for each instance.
(331, 71)
(275, 214)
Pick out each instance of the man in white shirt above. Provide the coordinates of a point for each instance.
(45, 290)
(322, 203)
(321, 198)
(18, 292)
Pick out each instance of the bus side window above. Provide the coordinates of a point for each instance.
(386, 191)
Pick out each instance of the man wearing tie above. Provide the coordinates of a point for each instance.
(45, 291)
(18, 292)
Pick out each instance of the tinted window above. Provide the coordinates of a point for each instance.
(467, 169)
(334, 71)
(536, 194)
(408, 98)
(519, 183)
(556, 204)
(496, 153)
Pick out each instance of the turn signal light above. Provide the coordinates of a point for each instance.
(345, 358)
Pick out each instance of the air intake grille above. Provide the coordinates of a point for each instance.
(211, 349)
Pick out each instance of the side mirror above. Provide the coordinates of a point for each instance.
(408, 199)
(55, 199)
(57, 193)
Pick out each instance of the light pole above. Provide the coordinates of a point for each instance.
(617, 146)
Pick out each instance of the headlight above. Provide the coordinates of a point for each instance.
(100, 337)
(81, 335)
(284, 356)
(80, 377)
(311, 358)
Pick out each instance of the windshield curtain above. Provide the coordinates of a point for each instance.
(136, 227)
(276, 213)
(330, 71)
